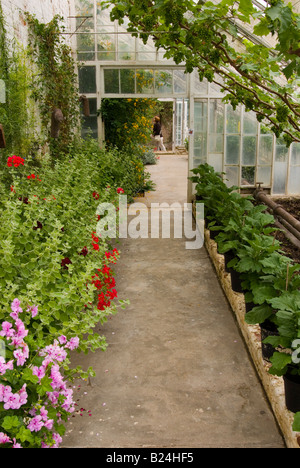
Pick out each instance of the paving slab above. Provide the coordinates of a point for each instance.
(176, 373)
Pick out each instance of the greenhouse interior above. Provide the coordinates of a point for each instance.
(176, 105)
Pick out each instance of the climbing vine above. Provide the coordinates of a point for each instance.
(16, 114)
(55, 83)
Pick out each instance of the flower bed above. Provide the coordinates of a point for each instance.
(269, 280)
(56, 283)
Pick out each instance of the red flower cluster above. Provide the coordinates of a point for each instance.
(15, 160)
(95, 241)
(33, 176)
(105, 283)
(120, 190)
(65, 261)
(96, 195)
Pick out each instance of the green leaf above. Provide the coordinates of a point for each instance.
(280, 361)
(258, 314)
(29, 377)
(45, 386)
(296, 422)
(9, 422)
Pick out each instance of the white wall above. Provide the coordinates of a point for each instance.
(44, 10)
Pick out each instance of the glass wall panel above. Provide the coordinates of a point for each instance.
(200, 132)
(249, 150)
(85, 28)
(146, 51)
(180, 82)
(87, 80)
(248, 175)
(216, 161)
(280, 167)
(144, 81)
(89, 125)
(111, 81)
(295, 154)
(126, 43)
(265, 152)
(127, 80)
(250, 124)
(232, 149)
(294, 171)
(163, 81)
(263, 175)
(233, 119)
(200, 87)
(232, 176)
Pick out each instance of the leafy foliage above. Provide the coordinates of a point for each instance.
(211, 38)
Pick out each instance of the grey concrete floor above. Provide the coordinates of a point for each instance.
(176, 373)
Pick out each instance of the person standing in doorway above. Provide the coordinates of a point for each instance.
(157, 134)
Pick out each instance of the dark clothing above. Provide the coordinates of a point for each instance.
(157, 129)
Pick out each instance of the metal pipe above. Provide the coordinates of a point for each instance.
(277, 209)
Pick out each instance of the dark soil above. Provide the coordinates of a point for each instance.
(292, 206)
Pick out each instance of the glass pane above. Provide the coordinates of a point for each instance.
(264, 175)
(233, 119)
(106, 47)
(200, 87)
(231, 176)
(179, 81)
(200, 116)
(280, 172)
(294, 180)
(295, 152)
(86, 43)
(163, 81)
(249, 150)
(216, 143)
(127, 78)
(281, 151)
(144, 81)
(233, 149)
(216, 161)
(126, 47)
(111, 81)
(87, 79)
(89, 126)
(265, 153)
(146, 51)
(216, 116)
(248, 175)
(250, 123)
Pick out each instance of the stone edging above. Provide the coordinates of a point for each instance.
(273, 385)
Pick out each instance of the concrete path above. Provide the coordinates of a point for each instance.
(176, 373)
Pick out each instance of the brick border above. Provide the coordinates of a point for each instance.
(273, 385)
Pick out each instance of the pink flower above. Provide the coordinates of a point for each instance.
(7, 330)
(4, 438)
(35, 424)
(5, 366)
(73, 343)
(16, 444)
(62, 339)
(39, 371)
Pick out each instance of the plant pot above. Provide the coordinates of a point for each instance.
(236, 283)
(267, 328)
(292, 392)
(228, 256)
(249, 306)
(213, 234)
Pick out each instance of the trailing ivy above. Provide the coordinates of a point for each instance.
(55, 83)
